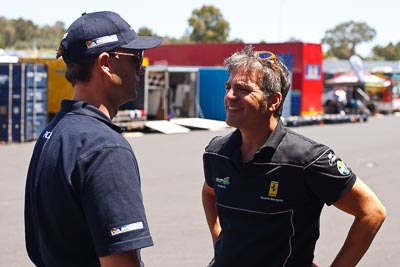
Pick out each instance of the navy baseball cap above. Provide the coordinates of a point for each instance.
(97, 32)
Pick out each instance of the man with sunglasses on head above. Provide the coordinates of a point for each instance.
(83, 201)
(265, 185)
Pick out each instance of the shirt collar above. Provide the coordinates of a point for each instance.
(276, 136)
(83, 108)
(235, 140)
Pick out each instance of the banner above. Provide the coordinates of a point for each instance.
(358, 66)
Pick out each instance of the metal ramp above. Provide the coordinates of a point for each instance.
(200, 123)
(166, 127)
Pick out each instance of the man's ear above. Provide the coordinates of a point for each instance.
(274, 101)
(103, 61)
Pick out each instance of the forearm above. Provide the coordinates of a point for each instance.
(369, 214)
(208, 198)
(359, 238)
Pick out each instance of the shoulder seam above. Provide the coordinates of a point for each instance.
(99, 149)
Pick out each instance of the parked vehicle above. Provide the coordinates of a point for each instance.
(172, 92)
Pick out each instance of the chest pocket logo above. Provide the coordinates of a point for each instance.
(47, 134)
(273, 189)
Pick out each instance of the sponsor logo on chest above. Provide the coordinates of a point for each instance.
(222, 182)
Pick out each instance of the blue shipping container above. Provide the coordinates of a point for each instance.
(23, 101)
(36, 76)
(211, 84)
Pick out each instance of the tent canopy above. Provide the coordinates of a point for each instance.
(350, 79)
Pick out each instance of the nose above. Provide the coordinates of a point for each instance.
(141, 70)
(230, 93)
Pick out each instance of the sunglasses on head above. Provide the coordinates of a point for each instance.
(266, 56)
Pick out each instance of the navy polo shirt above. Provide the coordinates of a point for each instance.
(83, 198)
(269, 206)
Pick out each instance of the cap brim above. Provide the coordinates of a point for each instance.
(143, 42)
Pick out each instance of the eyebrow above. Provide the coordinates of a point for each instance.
(239, 83)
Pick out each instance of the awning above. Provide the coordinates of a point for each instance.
(351, 79)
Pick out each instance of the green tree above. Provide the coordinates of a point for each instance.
(208, 25)
(397, 50)
(344, 38)
(7, 33)
(388, 52)
(50, 36)
(25, 32)
(172, 40)
(3, 24)
(146, 32)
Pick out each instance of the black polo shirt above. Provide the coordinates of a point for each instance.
(269, 206)
(83, 198)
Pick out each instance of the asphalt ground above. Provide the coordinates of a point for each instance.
(172, 176)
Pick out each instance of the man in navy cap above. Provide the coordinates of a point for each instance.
(83, 202)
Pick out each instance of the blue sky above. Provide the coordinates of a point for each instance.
(250, 20)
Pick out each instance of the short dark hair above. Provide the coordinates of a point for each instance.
(80, 70)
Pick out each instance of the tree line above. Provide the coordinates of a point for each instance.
(23, 34)
(205, 25)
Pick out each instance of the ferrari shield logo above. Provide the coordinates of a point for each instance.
(273, 189)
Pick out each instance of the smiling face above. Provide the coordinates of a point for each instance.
(245, 103)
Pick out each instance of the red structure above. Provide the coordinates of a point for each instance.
(306, 66)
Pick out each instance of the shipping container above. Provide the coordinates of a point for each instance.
(23, 101)
(58, 88)
(184, 92)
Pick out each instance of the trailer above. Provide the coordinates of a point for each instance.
(177, 98)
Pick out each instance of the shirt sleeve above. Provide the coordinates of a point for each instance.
(207, 170)
(112, 201)
(327, 176)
